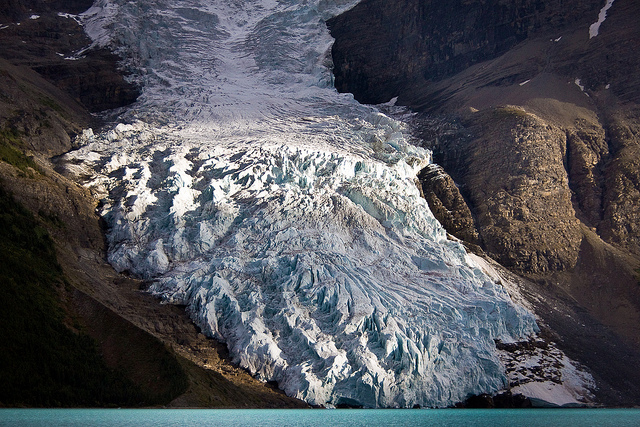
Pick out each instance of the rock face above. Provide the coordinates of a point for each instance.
(447, 204)
(382, 48)
(57, 48)
(542, 141)
(18, 10)
(520, 195)
(535, 182)
(620, 223)
(46, 117)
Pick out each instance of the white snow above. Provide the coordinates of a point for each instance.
(594, 29)
(70, 16)
(283, 214)
(391, 103)
(541, 372)
(547, 393)
(549, 378)
(578, 83)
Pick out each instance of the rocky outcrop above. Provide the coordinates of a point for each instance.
(447, 204)
(587, 151)
(514, 177)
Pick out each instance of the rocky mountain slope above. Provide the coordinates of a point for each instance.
(101, 341)
(531, 108)
(533, 173)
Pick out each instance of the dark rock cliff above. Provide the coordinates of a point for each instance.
(536, 123)
(447, 203)
(383, 48)
(56, 48)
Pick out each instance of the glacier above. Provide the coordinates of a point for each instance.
(286, 216)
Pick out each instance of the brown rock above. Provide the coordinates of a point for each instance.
(621, 221)
(518, 188)
(447, 204)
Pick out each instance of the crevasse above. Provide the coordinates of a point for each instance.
(284, 215)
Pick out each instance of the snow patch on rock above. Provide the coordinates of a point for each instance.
(594, 29)
(538, 369)
(544, 374)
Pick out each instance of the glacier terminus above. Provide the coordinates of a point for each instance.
(285, 215)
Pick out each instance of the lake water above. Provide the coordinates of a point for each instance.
(345, 417)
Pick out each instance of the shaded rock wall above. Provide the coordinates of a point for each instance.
(44, 117)
(587, 151)
(447, 204)
(620, 223)
(18, 10)
(54, 46)
(384, 47)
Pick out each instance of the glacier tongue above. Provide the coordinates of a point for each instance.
(286, 216)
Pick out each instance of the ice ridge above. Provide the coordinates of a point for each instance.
(284, 215)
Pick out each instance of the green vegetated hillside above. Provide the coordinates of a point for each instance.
(48, 359)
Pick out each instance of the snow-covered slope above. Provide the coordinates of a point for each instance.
(284, 215)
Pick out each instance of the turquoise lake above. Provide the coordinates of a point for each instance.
(344, 417)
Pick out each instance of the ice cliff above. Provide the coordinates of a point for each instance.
(284, 215)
